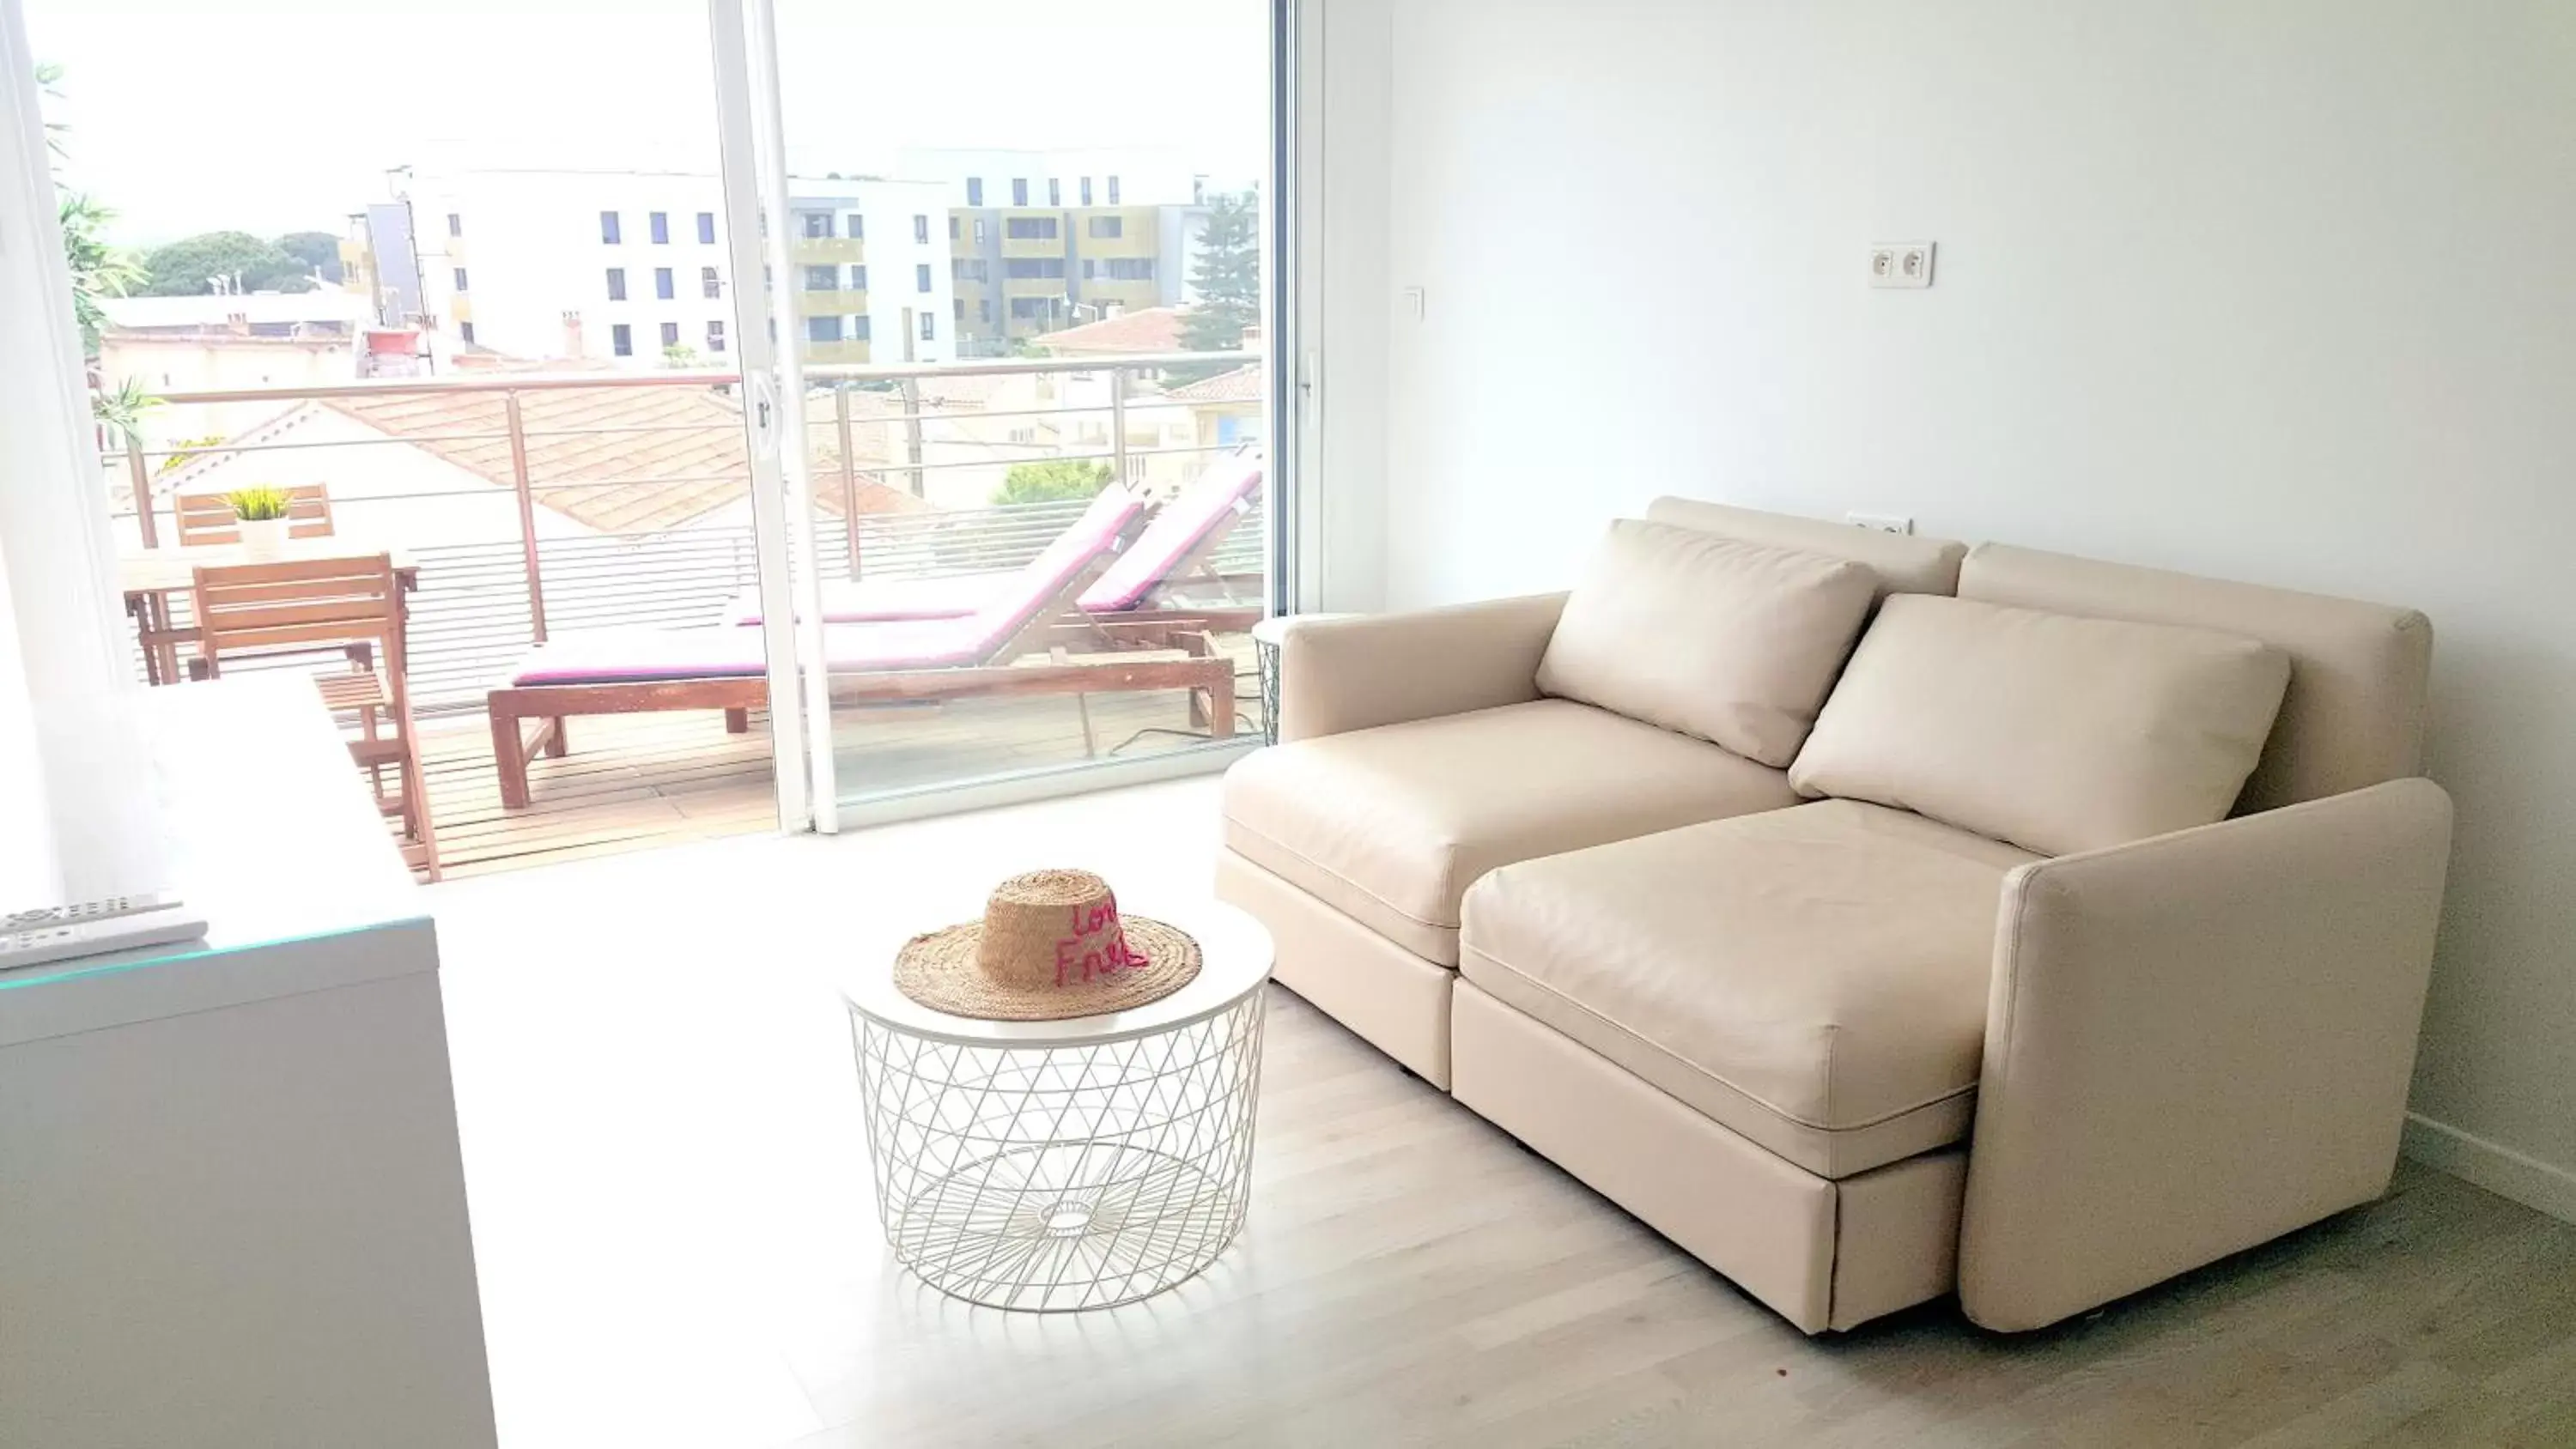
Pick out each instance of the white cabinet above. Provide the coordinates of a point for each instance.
(231, 1206)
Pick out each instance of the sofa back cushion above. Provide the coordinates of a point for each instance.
(2359, 673)
(2054, 732)
(1905, 563)
(1729, 641)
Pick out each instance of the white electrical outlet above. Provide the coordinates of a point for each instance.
(1883, 522)
(1900, 264)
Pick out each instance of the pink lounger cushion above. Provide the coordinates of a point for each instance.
(725, 651)
(1181, 529)
(651, 656)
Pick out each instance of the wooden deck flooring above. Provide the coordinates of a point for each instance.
(635, 781)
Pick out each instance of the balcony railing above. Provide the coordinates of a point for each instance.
(515, 563)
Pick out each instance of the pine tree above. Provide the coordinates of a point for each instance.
(1226, 278)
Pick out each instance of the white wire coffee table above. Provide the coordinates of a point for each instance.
(1058, 1165)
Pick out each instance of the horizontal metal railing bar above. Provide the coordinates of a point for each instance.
(700, 377)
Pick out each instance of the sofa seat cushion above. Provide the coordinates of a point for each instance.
(1391, 825)
(1814, 979)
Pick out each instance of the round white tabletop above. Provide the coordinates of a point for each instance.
(1234, 961)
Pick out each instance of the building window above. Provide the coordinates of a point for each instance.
(660, 221)
(921, 228)
(455, 224)
(1113, 191)
(859, 277)
(715, 337)
(670, 334)
(822, 329)
(662, 286)
(709, 283)
(929, 326)
(960, 306)
(1026, 307)
(974, 191)
(952, 226)
(1109, 226)
(857, 228)
(1090, 269)
(706, 228)
(983, 309)
(621, 340)
(1020, 191)
(1130, 269)
(1086, 191)
(1024, 268)
(921, 277)
(768, 278)
(1030, 228)
(817, 223)
(465, 333)
(608, 232)
(1055, 192)
(822, 279)
(617, 284)
(460, 279)
(979, 231)
(859, 328)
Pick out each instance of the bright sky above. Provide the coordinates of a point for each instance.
(283, 115)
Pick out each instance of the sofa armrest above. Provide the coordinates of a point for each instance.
(1337, 675)
(2196, 1043)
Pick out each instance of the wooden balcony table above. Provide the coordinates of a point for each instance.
(149, 576)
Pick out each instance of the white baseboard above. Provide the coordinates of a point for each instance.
(2491, 1165)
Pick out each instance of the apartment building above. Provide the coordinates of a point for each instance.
(632, 268)
(1046, 240)
(873, 278)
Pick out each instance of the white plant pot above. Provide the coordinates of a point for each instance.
(264, 538)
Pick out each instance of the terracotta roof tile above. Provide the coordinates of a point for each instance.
(1148, 329)
(619, 459)
(1243, 384)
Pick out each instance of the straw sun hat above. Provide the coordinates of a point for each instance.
(1051, 945)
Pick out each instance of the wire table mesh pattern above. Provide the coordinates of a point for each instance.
(1053, 1166)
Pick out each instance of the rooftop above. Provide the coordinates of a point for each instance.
(616, 459)
(1243, 385)
(1148, 329)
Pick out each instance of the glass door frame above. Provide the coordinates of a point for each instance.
(750, 120)
(752, 145)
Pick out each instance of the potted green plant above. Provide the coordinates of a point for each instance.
(263, 515)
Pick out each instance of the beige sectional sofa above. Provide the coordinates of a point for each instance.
(1918, 920)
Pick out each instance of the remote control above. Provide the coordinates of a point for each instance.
(103, 909)
(96, 936)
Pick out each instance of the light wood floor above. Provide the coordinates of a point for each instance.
(677, 1246)
(637, 781)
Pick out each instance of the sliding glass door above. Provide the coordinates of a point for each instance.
(1008, 382)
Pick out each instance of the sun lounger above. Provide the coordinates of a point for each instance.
(1179, 540)
(722, 667)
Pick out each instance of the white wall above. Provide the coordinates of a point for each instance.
(2280, 292)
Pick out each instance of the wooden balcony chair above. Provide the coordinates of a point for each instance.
(206, 518)
(277, 608)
